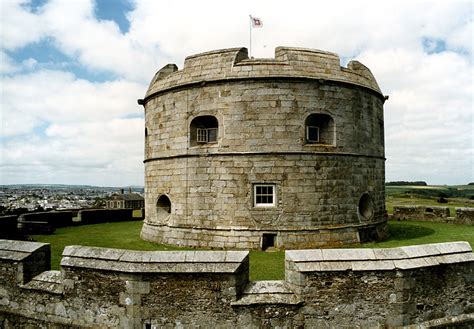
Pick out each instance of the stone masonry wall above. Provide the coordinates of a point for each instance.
(314, 193)
(262, 108)
(434, 214)
(418, 286)
(465, 216)
(427, 213)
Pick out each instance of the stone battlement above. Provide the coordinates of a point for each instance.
(418, 286)
(234, 64)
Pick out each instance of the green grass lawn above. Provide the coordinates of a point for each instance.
(263, 265)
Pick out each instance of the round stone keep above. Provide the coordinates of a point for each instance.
(260, 153)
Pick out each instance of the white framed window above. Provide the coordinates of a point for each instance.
(312, 134)
(264, 195)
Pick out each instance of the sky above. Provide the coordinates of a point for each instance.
(71, 72)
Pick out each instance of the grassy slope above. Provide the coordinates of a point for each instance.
(263, 265)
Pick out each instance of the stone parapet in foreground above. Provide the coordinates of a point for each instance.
(417, 287)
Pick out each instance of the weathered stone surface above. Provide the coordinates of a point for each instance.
(328, 192)
(379, 259)
(268, 292)
(48, 281)
(417, 287)
(464, 216)
(423, 213)
(122, 260)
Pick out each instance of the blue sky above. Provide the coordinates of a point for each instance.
(71, 72)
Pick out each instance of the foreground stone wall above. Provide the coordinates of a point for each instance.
(423, 286)
(434, 214)
(325, 192)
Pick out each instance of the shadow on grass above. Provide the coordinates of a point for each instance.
(407, 231)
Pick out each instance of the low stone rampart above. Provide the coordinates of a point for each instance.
(53, 218)
(423, 213)
(418, 286)
(465, 216)
(434, 214)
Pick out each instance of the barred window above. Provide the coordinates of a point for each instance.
(206, 135)
(203, 130)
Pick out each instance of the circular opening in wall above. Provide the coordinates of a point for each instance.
(163, 207)
(366, 206)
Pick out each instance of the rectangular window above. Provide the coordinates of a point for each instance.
(264, 195)
(202, 135)
(312, 134)
(206, 135)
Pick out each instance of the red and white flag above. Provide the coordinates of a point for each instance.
(256, 22)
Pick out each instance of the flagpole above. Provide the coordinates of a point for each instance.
(250, 33)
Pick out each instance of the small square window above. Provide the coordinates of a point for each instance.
(264, 195)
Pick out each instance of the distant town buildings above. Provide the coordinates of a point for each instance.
(55, 197)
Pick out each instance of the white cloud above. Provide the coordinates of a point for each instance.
(111, 151)
(96, 44)
(19, 26)
(55, 96)
(55, 123)
(7, 64)
(429, 116)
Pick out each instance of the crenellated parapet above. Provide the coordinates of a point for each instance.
(234, 64)
(419, 286)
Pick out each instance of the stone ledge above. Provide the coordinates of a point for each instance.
(18, 250)
(402, 258)
(462, 321)
(48, 281)
(153, 261)
(267, 292)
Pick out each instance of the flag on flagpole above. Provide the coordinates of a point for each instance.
(256, 22)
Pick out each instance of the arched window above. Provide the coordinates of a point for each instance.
(319, 129)
(163, 208)
(204, 130)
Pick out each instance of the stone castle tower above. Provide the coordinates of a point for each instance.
(255, 153)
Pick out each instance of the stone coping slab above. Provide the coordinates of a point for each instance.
(18, 250)
(268, 292)
(48, 281)
(380, 259)
(123, 260)
(419, 207)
